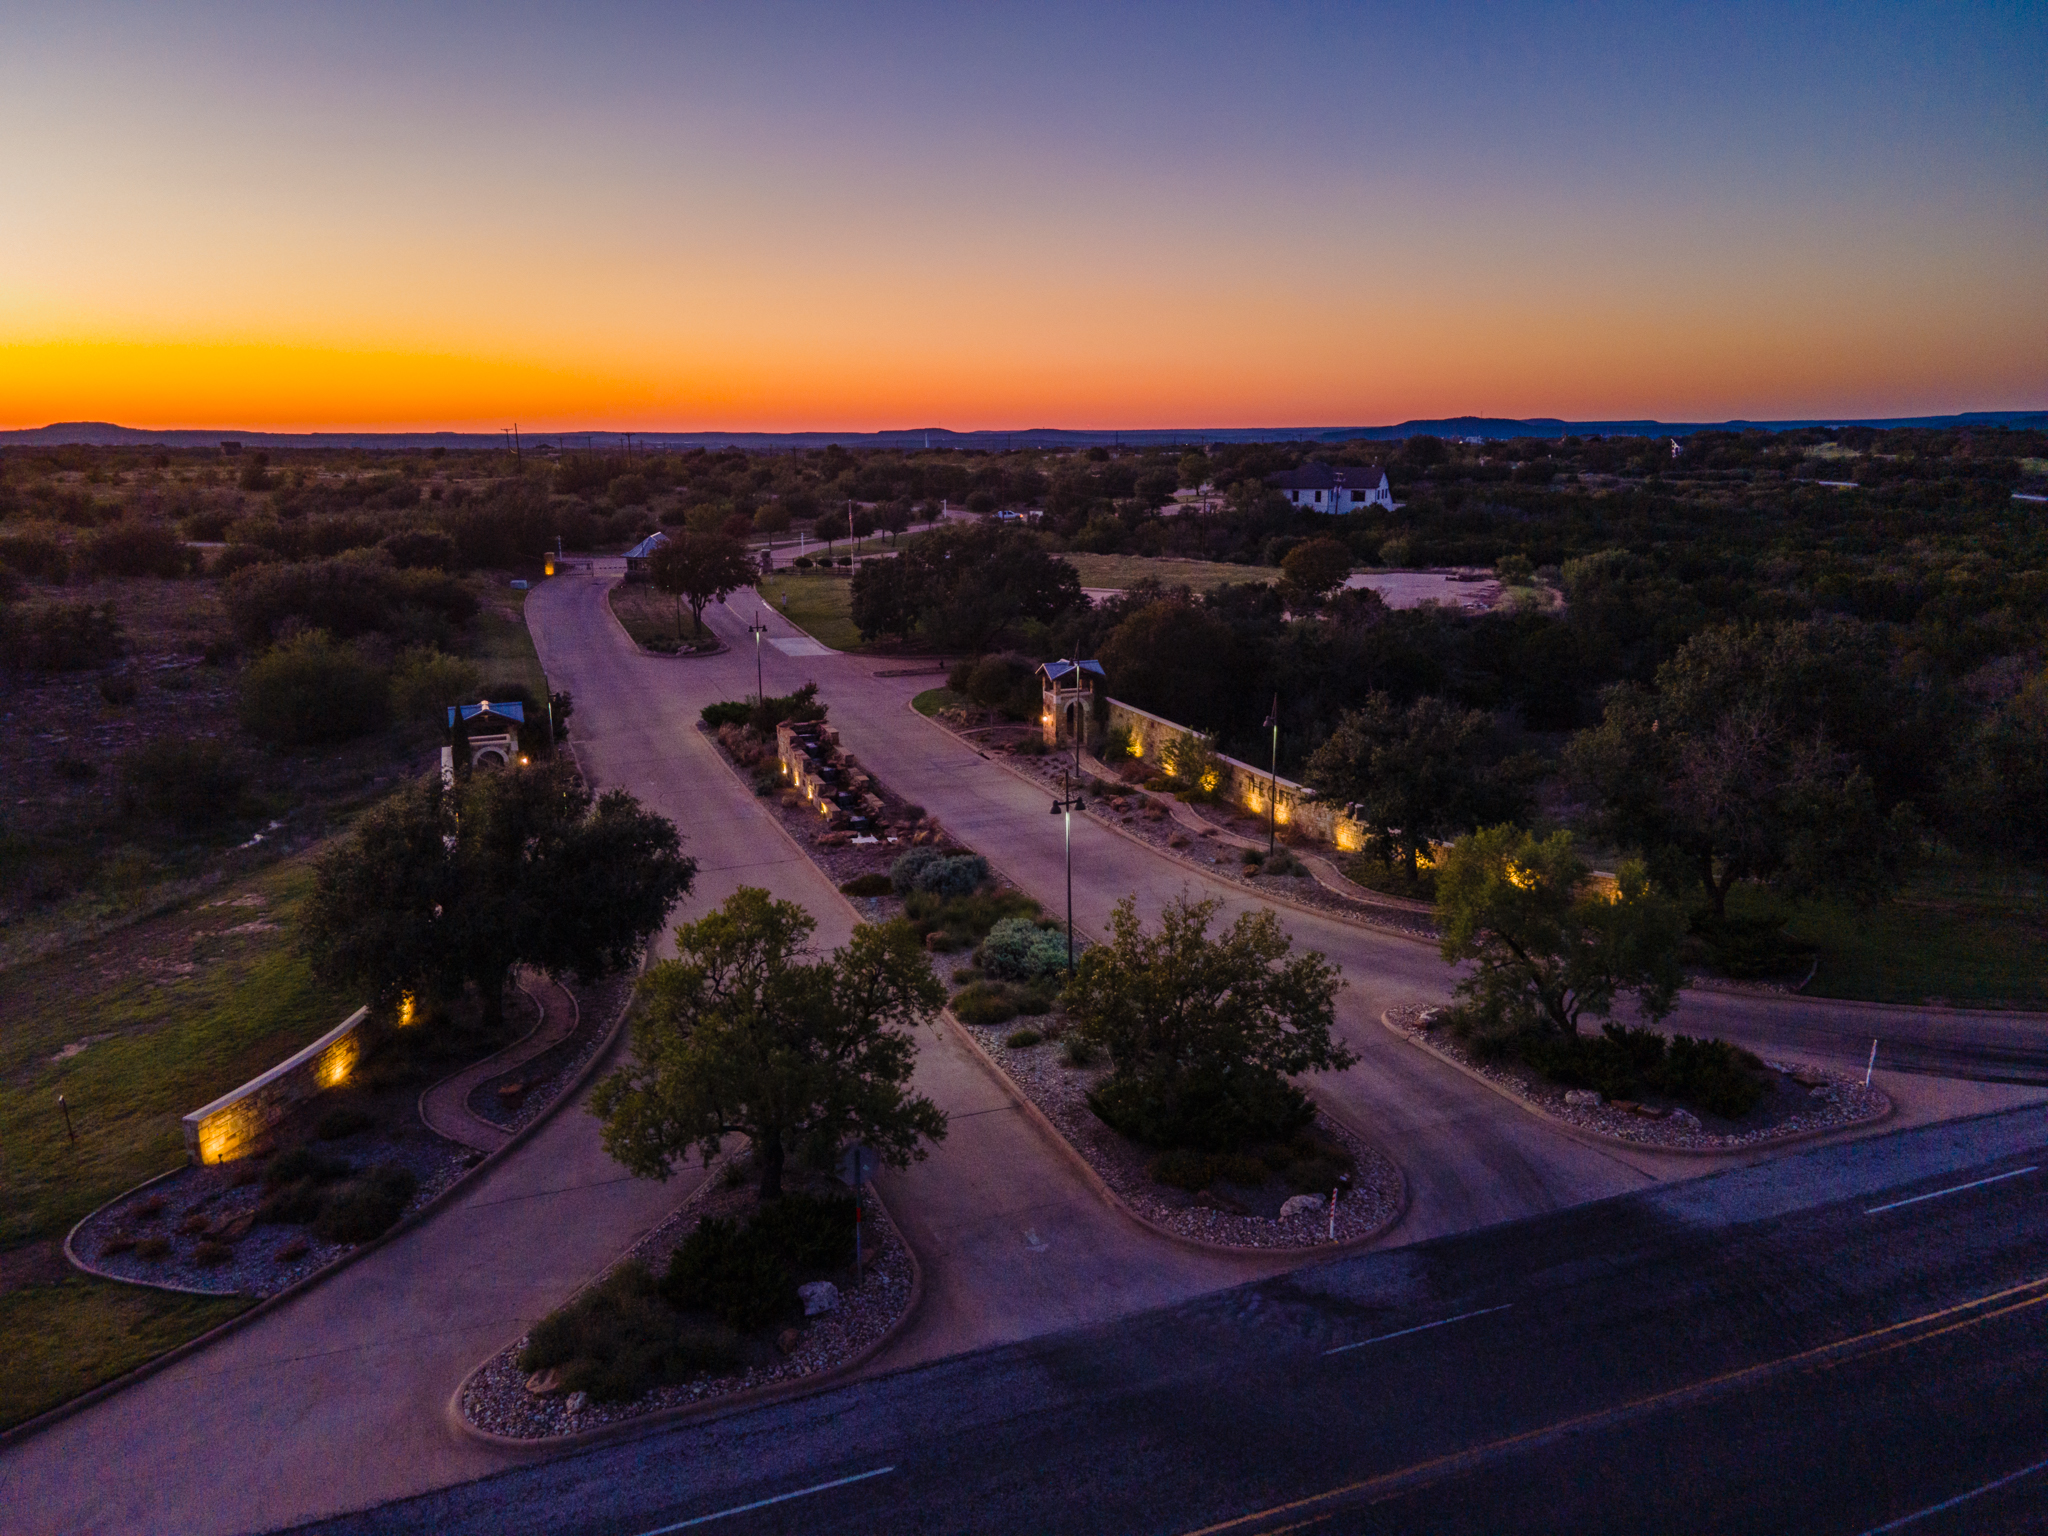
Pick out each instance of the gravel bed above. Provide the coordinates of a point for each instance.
(598, 1006)
(1230, 1217)
(225, 1196)
(495, 1399)
(1802, 1100)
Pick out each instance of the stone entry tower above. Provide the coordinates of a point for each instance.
(1069, 694)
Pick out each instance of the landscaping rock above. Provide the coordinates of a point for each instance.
(1577, 1097)
(788, 1340)
(545, 1383)
(1301, 1205)
(819, 1296)
(1686, 1118)
(578, 1401)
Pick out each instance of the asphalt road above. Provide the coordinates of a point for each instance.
(1828, 1343)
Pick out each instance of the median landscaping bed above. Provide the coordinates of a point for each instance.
(707, 1305)
(518, 1096)
(1785, 1101)
(1007, 964)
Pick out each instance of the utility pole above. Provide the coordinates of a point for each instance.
(757, 629)
(1273, 783)
(1069, 802)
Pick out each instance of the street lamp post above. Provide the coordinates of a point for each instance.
(1273, 782)
(1069, 802)
(757, 629)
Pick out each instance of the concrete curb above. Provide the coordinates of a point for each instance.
(732, 1402)
(1597, 1139)
(1095, 1180)
(269, 1304)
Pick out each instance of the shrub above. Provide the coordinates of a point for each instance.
(424, 682)
(1077, 1052)
(1182, 1169)
(310, 690)
(872, 884)
(724, 1269)
(628, 490)
(211, 1254)
(983, 1004)
(61, 637)
(38, 556)
(417, 549)
(239, 557)
(347, 596)
(809, 1232)
(138, 549)
(1006, 683)
(1625, 1062)
(343, 1122)
(186, 781)
(1205, 1111)
(356, 1210)
(965, 919)
(1720, 1078)
(305, 1163)
(959, 874)
(619, 1338)
(1283, 863)
(1118, 745)
(152, 1247)
(729, 712)
(1022, 1039)
(1018, 949)
(798, 706)
(119, 1243)
(802, 562)
(121, 690)
(290, 1204)
(909, 865)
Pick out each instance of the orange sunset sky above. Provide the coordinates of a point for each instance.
(664, 218)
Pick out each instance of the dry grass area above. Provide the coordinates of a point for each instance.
(1122, 571)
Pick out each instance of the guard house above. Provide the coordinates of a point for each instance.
(1069, 688)
(492, 731)
(640, 554)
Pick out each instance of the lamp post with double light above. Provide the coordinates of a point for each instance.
(1069, 802)
(757, 629)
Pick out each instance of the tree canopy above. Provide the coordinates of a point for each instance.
(440, 887)
(746, 1033)
(1548, 946)
(1420, 774)
(700, 568)
(1202, 1032)
(968, 583)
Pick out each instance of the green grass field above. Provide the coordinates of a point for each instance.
(1201, 575)
(819, 604)
(134, 1029)
(1973, 933)
(932, 700)
(502, 648)
(73, 1334)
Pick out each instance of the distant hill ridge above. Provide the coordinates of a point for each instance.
(106, 434)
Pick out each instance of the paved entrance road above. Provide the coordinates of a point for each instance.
(1764, 1350)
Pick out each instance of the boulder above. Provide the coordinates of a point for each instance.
(1686, 1119)
(1301, 1205)
(788, 1340)
(1580, 1098)
(819, 1296)
(578, 1401)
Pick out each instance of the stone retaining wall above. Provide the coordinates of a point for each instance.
(1248, 786)
(237, 1123)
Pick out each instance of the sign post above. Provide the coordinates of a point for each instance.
(856, 1167)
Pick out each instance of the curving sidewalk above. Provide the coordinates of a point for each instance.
(445, 1107)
